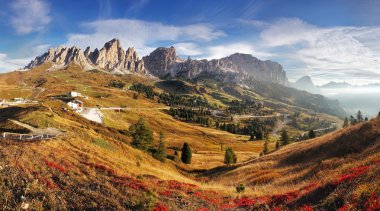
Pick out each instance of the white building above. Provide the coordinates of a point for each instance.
(76, 105)
(75, 94)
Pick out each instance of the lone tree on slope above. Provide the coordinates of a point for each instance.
(284, 137)
(142, 136)
(346, 123)
(186, 154)
(160, 154)
(230, 156)
(359, 116)
(311, 134)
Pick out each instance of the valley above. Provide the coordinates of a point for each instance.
(288, 147)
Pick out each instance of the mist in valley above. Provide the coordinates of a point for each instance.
(352, 99)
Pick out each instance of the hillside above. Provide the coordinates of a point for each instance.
(96, 164)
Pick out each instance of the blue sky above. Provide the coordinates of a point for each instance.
(329, 40)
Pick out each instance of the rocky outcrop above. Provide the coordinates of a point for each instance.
(111, 58)
(237, 68)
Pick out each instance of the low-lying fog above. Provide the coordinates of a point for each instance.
(352, 99)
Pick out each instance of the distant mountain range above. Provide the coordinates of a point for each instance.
(305, 83)
(163, 63)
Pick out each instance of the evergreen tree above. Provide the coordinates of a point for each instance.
(366, 119)
(277, 144)
(230, 156)
(378, 115)
(352, 120)
(345, 124)
(266, 145)
(186, 154)
(284, 137)
(142, 136)
(160, 154)
(359, 116)
(311, 134)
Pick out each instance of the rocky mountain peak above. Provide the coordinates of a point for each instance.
(111, 58)
(163, 62)
(159, 62)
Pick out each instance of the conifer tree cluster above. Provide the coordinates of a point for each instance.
(142, 138)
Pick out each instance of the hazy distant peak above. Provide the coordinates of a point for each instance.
(305, 83)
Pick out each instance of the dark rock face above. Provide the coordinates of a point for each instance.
(163, 62)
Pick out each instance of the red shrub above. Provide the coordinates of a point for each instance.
(345, 207)
(284, 198)
(306, 208)
(373, 202)
(244, 202)
(55, 165)
(202, 209)
(134, 184)
(353, 174)
(50, 184)
(173, 184)
(102, 168)
(166, 193)
(160, 207)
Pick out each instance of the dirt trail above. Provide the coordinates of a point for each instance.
(280, 125)
(37, 131)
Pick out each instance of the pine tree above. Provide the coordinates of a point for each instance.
(160, 154)
(352, 120)
(230, 156)
(266, 147)
(311, 134)
(359, 116)
(284, 137)
(345, 124)
(142, 136)
(186, 154)
(277, 145)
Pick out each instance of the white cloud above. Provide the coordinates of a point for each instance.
(187, 49)
(332, 53)
(219, 51)
(29, 16)
(142, 35)
(8, 64)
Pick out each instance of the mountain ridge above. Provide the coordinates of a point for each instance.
(162, 63)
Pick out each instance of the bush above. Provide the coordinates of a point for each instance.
(240, 188)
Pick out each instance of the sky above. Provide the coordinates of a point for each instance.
(329, 40)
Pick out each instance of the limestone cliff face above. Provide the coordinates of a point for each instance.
(111, 58)
(164, 63)
(237, 68)
(61, 57)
